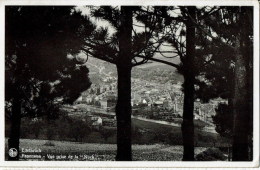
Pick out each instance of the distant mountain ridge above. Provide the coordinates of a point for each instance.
(99, 69)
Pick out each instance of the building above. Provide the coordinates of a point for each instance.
(79, 100)
(109, 122)
(108, 102)
(205, 112)
(95, 121)
(166, 104)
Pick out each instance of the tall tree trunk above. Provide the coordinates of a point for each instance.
(241, 115)
(248, 54)
(123, 114)
(187, 124)
(13, 142)
(189, 78)
(242, 94)
(123, 107)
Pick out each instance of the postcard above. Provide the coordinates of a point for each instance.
(129, 84)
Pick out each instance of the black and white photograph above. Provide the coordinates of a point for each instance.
(149, 83)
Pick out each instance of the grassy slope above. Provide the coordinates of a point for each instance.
(154, 128)
(90, 151)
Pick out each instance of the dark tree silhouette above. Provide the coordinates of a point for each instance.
(124, 66)
(189, 80)
(230, 71)
(186, 23)
(186, 52)
(122, 49)
(106, 133)
(79, 130)
(224, 120)
(243, 88)
(215, 57)
(38, 40)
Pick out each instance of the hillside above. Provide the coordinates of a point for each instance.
(100, 69)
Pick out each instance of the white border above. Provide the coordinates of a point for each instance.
(145, 164)
(132, 2)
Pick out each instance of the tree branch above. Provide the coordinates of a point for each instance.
(98, 56)
(161, 61)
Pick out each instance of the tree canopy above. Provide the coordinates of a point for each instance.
(38, 42)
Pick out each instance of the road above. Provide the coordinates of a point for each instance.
(102, 111)
(94, 109)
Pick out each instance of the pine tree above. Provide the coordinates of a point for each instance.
(230, 70)
(122, 48)
(243, 89)
(38, 40)
(186, 52)
(189, 80)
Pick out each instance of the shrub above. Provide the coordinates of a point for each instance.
(211, 154)
(25, 131)
(79, 130)
(36, 128)
(106, 133)
(50, 133)
(160, 137)
(206, 139)
(174, 138)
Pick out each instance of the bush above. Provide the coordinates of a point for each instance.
(50, 134)
(79, 130)
(160, 138)
(206, 139)
(25, 131)
(106, 133)
(36, 128)
(174, 138)
(211, 154)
